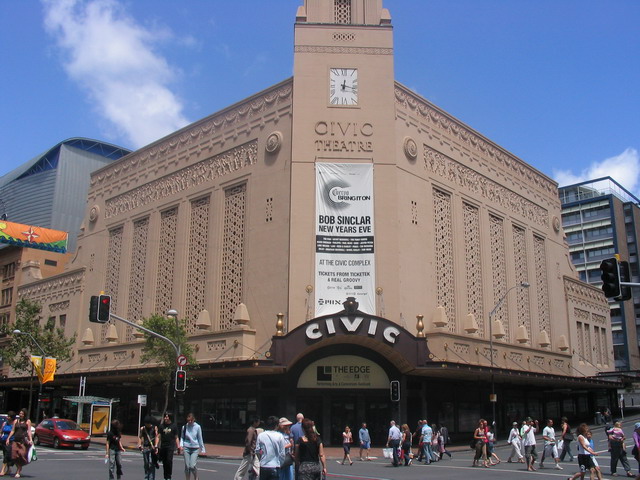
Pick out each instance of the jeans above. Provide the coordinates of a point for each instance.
(190, 460)
(166, 457)
(115, 464)
(566, 449)
(428, 452)
(269, 473)
(149, 464)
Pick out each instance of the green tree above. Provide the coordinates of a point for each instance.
(159, 351)
(53, 341)
(18, 350)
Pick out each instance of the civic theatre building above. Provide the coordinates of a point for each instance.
(327, 236)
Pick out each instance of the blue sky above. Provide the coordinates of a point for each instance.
(555, 82)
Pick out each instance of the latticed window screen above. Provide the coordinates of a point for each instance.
(232, 253)
(197, 261)
(114, 254)
(499, 270)
(473, 262)
(443, 254)
(342, 11)
(542, 286)
(522, 294)
(166, 260)
(138, 269)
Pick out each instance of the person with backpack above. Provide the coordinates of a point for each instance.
(148, 445)
(191, 445)
(114, 450)
(5, 430)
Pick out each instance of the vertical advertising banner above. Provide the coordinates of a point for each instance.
(344, 237)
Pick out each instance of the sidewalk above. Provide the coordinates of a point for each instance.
(234, 452)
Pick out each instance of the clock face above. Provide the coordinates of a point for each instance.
(343, 86)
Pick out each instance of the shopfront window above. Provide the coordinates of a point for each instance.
(227, 413)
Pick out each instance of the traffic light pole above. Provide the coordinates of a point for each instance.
(150, 332)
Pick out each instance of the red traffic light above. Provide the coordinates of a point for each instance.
(181, 381)
(104, 308)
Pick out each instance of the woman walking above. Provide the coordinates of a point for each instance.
(585, 453)
(114, 450)
(347, 440)
(515, 440)
(618, 450)
(190, 443)
(567, 438)
(406, 444)
(7, 463)
(309, 456)
(480, 437)
(21, 433)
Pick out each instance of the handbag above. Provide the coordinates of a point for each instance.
(288, 460)
(473, 443)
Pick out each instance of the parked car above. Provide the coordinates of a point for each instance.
(60, 432)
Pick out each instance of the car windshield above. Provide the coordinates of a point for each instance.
(67, 425)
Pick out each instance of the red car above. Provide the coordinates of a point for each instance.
(60, 432)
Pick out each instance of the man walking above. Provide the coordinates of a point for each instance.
(393, 441)
(169, 443)
(270, 448)
(529, 440)
(249, 459)
(550, 447)
(365, 441)
(427, 436)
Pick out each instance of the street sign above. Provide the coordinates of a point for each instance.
(142, 400)
(181, 360)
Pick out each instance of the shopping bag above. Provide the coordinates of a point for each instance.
(387, 452)
(32, 455)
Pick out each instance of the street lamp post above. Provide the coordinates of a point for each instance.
(493, 398)
(44, 356)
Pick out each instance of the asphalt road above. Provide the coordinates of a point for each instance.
(82, 465)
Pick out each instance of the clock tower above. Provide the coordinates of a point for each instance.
(343, 113)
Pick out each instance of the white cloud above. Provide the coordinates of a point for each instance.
(113, 58)
(623, 168)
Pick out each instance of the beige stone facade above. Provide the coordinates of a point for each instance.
(223, 213)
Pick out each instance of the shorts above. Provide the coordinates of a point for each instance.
(365, 445)
(585, 462)
(346, 447)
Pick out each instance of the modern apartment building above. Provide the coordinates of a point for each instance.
(601, 218)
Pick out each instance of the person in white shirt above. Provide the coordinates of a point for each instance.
(515, 440)
(270, 447)
(550, 447)
(528, 433)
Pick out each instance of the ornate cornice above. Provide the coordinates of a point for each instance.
(585, 294)
(194, 133)
(343, 50)
(472, 181)
(65, 282)
(466, 136)
(182, 180)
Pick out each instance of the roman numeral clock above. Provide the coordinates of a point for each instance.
(343, 86)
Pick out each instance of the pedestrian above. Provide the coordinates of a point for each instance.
(480, 436)
(114, 450)
(309, 454)
(567, 438)
(515, 440)
(5, 442)
(618, 449)
(169, 443)
(270, 448)
(528, 433)
(286, 469)
(585, 453)
(148, 445)
(365, 441)
(20, 437)
(491, 454)
(347, 440)
(435, 443)
(418, 435)
(296, 429)
(393, 441)
(190, 443)
(406, 445)
(444, 440)
(550, 446)
(426, 437)
(249, 458)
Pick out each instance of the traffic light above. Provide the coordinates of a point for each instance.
(610, 277)
(395, 390)
(104, 306)
(181, 380)
(625, 276)
(93, 309)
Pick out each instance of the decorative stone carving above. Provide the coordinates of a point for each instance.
(274, 142)
(470, 324)
(94, 213)
(563, 345)
(410, 148)
(343, 50)
(439, 317)
(522, 336)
